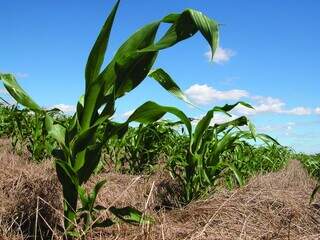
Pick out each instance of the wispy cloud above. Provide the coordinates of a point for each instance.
(65, 108)
(3, 91)
(272, 105)
(204, 94)
(21, 75)
(298, 111)
(285, 128)
(127, 114)
(222, 55)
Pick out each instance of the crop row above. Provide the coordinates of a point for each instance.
(197, 154)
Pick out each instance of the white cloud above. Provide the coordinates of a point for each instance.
(3, 91)
(21, 75)
(268, 104)
(285, 128)
(298, 111)
(65, 108)
(271, 105)
(222, 55)
(218, 118)
(127, 114)
(204, 94)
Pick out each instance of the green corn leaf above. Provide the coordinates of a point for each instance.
(267, 139)
(168, 83)
(185, 25)
(114, 129)
(96, 190)
(127, 69)
(151, 112)
(59, 154)
(227, 108)
(82, 140)
(132, 71)
(236, 173)
(18, 93)
(130, 215)
(238, 122)
(68, 171)
(92, 154)
(252, 130)
(98, 208)
(201, 127)
(97, 53)
(72, 128)
(57, 132)
(224, 144)
(208, 28)
(204, 176)
(73, 234)
(171, 18)
(83, 197)
(106, 223)
(48, 122)
(204, 123)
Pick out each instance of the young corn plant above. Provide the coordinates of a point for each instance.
(6, 123)
(27, 130)
(79, 149)
(201, 166)
(250, 160)
(142, 147)
(312, 164)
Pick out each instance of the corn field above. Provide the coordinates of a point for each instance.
(201, 158)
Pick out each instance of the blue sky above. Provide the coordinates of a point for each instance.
(267, 57)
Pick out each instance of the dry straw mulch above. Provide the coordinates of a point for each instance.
(271, 206)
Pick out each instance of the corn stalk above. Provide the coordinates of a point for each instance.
(79, 148)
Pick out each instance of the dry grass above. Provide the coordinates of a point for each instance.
(272, 206)
(22, 184)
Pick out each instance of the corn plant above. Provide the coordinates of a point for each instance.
(16, 129)
(27, 130)
(312, 163)
(6, 124)
(250, 160)
(79, 148)
(199, 169)
(202, 165)
(142, 147)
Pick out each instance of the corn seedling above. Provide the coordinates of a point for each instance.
(198, 170)
(250, 160)
(312, 164)
(142, 147)
(79, 149)
(203, 165)
(27, 130)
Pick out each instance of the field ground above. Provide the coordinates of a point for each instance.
(271, 206)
